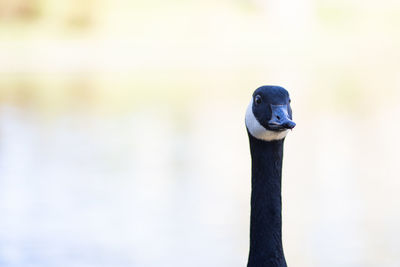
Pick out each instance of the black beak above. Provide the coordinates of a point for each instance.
(280, 118)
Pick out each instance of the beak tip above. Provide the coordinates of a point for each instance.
(289, 125)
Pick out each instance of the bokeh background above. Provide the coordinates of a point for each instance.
(122, 137)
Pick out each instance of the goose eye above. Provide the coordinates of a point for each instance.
(290, 101)
(257, 99)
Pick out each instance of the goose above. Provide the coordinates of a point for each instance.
(268, 121)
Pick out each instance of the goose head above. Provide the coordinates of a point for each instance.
(269, 115)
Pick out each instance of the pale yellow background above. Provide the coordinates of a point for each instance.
(122, 137)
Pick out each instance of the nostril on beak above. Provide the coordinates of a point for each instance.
(278, 117)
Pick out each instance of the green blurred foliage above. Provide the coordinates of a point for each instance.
(339, 51)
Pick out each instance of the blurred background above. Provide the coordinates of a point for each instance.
(122, 136)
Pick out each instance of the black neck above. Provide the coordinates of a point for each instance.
(266, 248)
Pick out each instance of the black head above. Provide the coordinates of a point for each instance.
(271, 107)
(269, 115)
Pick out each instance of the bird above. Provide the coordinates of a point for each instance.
(268, 120)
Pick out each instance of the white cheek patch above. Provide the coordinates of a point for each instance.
(259, 131)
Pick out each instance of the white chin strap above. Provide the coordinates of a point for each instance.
(258, 131)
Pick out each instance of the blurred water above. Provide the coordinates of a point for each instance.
(83, 190)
